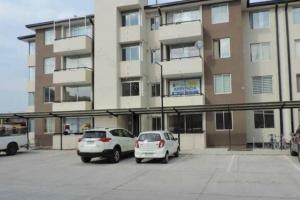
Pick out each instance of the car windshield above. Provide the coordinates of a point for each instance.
(150, 137)
(95, 134)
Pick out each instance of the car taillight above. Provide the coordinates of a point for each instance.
(80, 139)
(104, 139)
(161, 143)
(137, 144)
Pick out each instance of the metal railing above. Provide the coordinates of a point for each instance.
(71, 69)
(181, 22)
(180, 58)
(73, 36)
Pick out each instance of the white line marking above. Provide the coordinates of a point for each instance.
(292, 163)
(231, 163)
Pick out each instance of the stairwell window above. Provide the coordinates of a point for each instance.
(260, 52)
(31, 74)
(222, 48)
(264, 119)
(223, 120)
(49, 65)
(31, 98)
(155, 56)
(220, 13)
(155, 23)
(131, 18)
(260, 19)
(49, 94)
(31, 46)
(131, 52)
(297, 48)
(262, 85)
(130, 88)
(49, 36)
(222, 84)
(296, 15)
(155, 89)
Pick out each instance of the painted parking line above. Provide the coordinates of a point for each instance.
(231, 163)
(292, 163)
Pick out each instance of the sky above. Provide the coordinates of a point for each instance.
(14, 15)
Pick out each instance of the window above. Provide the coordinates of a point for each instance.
(155, 56)
(156, 123)
(183, 51)
(220, 14)
(77, 125)
(260, 52)
(77, 93)
(131, 18)
(31, 98)
(73, 62)
(186, 124)
(155, 89)
(264, 119)
(222, 48)
(130, 53)
(49, 36)
(31, 74)
(79, 30)
(183, 16)
(298, 82)
(222, 84)
(185, 87)
(223, 120)
(296, 15)
(49, 94)
(31, 125)
(130, 88)
(155, 23)
(297, 47)
(49, 65)
(49, 125)
(31, 48)
(262, 85)
(259, 20)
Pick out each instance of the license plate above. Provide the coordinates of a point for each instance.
(90, 142)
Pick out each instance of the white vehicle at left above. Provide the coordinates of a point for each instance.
(11, 143)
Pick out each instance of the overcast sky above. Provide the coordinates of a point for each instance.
(14, 15)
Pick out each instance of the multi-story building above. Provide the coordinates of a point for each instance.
(250, 54)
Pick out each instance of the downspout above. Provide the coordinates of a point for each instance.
(93, 71)
(289, 61)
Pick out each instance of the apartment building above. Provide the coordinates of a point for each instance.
(249, 54)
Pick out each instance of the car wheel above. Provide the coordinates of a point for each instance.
(11, 149)
(166, 158)
(138, 160)
(177, 153)
(116, 155)
(85, 159)
(293, 153)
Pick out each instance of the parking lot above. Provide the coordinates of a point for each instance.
(211, 174)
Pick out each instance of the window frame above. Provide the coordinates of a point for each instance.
(226, 20)
(50, 40)
(185, 79)
(44, 67)
(181, 21)
(260, 52)
(262, 85)
(223, 118)
(31, 48)
(156, 87)
(31, 98)
(223, 75)
(130, 47)
(46, 121)
(49, 88)
(184, 119)
(296, 9)
(129, 13)
(220, 50)
(155, 23)
(77, 87)
(130, 92)
(263, 113)
(156, 123)
(297, 51)
(259, 12)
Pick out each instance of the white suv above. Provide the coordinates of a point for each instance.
(109, 143)
(156, 144)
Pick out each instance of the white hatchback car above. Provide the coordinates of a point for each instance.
(156, 144)
(109, 143)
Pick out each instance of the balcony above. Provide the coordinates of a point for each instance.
(130, 69)
(30, 86)
(172, 101)
(181, 32)
(132, 102)
(70, 76)
(73, 45)
(31, 60)
(184, 67)
(72, 106)
(130, 34)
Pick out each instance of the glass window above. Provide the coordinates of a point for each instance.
(297, 47)
(222, 48)
(222, 84)
(49, 65)
(31, 98)
(79, 30)
(220, 13)
(31, 73)
(73, 62)
(155, 89)
(264, 119)
(155, 56)
(77, 125)
(131, 18)
(95, 134)
(155, 23)
(260, 19)
(260, 52)
(186, 124)
(31, 125)
(183, 51)
(223, 120)
(77, 93)
(262, 85)
(31, 48)
(149, 137)
(49, 94)
(49, 125)
(298, 82)
(296, 15)
(182, 16)
(49, 36)
(130, 53)
(131, 88)
(185, 87)
(156, 123)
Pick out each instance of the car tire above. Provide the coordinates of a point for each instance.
(166, 158)
(116, 155)
(138, 160)
(86, 159)
(12, 149)
(293, 153)
(177, 153)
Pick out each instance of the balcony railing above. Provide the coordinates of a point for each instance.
(74, 68)
(181, 22)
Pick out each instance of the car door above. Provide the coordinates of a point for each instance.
(123, 140)
(168, 142)
(129, 140)
(174, 142)
(117, 138)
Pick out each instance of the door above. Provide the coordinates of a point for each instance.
(128, 140)
(168, 143)
(135, 125)
(174, 143)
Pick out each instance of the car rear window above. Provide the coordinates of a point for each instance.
(150, 137)
(95, 134)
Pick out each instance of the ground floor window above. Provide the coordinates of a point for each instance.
(77, 125)
(223, 120)
(186, 123)
(156, 123)
(31, 125)
(49, 125)
(264, 119)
